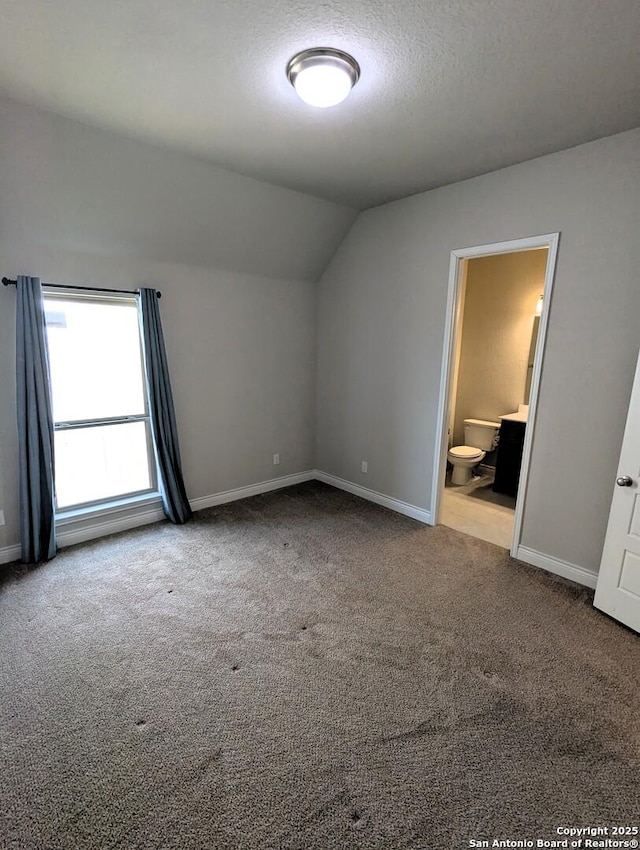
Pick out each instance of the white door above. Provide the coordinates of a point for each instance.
(618, 589)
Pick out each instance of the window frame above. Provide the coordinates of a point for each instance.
(62, 294)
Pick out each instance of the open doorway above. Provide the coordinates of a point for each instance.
(498, 307)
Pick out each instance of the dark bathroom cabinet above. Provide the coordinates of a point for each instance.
(509, 458)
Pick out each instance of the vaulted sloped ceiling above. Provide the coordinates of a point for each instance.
(71, 187)
(448, 89)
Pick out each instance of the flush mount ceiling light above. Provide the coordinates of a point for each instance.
(323, 76)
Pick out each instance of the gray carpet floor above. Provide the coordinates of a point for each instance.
(306, 670)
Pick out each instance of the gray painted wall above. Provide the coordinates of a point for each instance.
(242, 363)
(381, 326)
(82, 206)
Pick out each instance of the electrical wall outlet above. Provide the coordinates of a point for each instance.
(365, 466)
(276, 459)
(1, 517)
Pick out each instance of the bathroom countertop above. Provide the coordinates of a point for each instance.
(518, 416)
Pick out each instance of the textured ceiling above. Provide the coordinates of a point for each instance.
(448, 89)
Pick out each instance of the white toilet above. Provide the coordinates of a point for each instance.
(480, 437)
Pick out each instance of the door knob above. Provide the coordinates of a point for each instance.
(624, 481)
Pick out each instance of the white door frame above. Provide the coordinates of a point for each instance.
(452, 332)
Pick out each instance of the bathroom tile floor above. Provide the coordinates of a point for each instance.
(476, 510)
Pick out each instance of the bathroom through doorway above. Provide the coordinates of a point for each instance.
(498, 308)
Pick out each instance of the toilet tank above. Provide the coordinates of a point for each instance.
(481, 434)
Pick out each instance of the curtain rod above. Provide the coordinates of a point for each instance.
(8, 282)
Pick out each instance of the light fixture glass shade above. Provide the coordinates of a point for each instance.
(539, 306)
(322, 76)
(323, 85)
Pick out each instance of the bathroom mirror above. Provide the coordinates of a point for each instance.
(530, 358)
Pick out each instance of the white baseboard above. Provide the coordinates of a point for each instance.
(203, 502)
(123, 519)
(80, 530)
(10, 553)
(560, 568)
(146, 516)
(372, 496)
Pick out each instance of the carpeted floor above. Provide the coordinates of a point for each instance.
(307, 670)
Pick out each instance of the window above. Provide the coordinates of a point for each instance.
(102, 442)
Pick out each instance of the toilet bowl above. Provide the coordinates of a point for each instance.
(463, 459)
(481, 436)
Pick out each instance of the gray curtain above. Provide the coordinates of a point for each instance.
(161, 410)
(35, 425)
